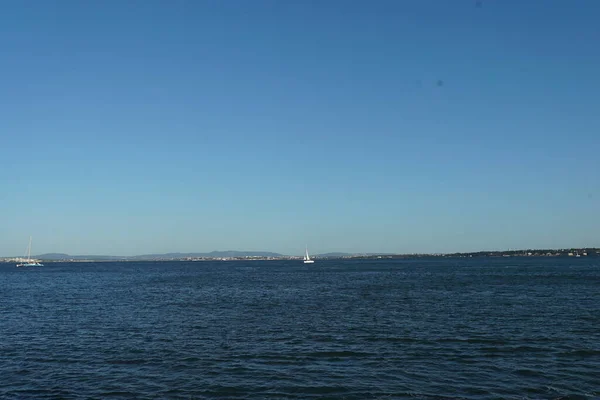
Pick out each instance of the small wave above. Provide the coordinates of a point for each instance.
(497, 342)
(581, 353)
(527, 372)
(514, 349)
(119, 394)
(337, 354)
(393, 339)
(127, 362)
(37, 394)
(190, 359)
(433, 397)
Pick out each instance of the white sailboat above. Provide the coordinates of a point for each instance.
(307, 259)
(29, 262)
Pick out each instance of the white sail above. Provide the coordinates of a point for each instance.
(307, 259)
(29, 250)
(29, 262)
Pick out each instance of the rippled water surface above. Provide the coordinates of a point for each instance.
(382, 329)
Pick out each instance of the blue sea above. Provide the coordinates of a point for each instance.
(485, 328)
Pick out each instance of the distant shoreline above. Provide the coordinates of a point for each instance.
(241, 256)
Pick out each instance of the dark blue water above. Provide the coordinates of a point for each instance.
(430, 329)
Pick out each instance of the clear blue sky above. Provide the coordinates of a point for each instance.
(131, 127)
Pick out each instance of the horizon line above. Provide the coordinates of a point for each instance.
(323, 253)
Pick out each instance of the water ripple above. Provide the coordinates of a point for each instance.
(385, 329)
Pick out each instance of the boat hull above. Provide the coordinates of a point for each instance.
(30, 265)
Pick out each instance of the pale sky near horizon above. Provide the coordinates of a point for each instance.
(134, 127)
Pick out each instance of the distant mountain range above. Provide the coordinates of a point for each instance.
(63, 256)
(592, 252)
(212, 254)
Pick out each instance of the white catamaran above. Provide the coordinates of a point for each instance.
(29, 262)
(307, 259)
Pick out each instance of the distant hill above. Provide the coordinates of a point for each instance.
(165, 256)
(337, 254)
(53, 256)
(231, 253)
(212, 254)
(63, 256)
